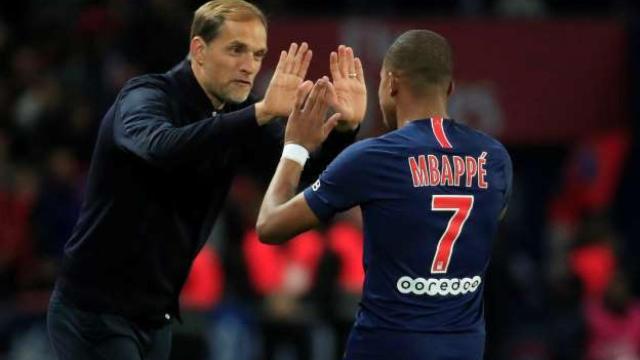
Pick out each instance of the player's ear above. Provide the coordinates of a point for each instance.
(393, 84)
(451, 88)
(197, 48)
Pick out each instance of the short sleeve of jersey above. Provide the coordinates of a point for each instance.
(342, 184)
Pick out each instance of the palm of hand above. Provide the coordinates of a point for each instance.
(349, 93)
(350, 99)
(290, 72)
(281, 92)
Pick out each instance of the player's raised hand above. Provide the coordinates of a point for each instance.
(289, 74)
(348, 95)
(306, 125)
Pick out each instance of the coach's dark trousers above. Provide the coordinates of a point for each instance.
(81, 335)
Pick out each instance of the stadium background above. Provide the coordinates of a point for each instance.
(556, 80)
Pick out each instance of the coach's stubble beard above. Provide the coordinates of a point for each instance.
(236, 94)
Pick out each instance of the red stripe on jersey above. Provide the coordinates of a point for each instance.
(438, 131)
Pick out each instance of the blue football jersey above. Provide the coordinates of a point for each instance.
(431, 195)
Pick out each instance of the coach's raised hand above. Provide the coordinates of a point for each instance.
(348, 95)
(289, 74)
(306, 125)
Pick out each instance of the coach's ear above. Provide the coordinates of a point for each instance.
(196, 49)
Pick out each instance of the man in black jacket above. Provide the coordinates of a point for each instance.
(165, 156)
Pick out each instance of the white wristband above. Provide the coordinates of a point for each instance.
(296, 153)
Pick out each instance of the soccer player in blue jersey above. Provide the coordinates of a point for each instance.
(432, 193)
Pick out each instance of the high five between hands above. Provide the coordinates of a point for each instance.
(345, 93)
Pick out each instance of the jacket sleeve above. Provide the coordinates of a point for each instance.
(263, 153)
(335, 143)
(143, 126)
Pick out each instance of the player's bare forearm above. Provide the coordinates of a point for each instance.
(282, 216)
(284, 183)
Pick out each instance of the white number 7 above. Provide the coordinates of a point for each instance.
(461, 206)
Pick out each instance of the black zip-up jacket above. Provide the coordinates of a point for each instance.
(160, 173)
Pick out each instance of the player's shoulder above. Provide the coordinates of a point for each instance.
(480, 139)
(358, 149)
(379, 148)
(376, 146)
(356, 157)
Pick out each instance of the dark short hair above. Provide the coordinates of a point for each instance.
(209, 17)
(423, 56)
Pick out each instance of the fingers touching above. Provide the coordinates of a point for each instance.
(301, 94)
(312, 99)
(308, 124)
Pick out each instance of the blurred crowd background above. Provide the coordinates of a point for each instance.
(556, 80)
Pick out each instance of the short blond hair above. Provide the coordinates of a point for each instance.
(209, 17)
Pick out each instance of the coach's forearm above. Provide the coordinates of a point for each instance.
(272, 225)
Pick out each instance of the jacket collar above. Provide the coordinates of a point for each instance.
(189, 87)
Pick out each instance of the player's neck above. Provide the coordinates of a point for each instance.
(416, 109)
